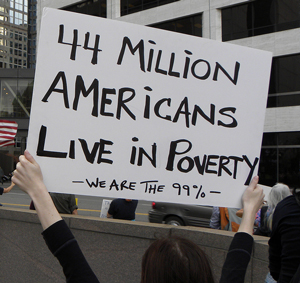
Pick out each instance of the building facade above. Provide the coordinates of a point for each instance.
(271, 25)
(32, 16)
(13, 33)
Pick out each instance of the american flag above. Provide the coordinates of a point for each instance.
(8, 131)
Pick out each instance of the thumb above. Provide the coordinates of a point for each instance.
(254, 182)
(29, 157)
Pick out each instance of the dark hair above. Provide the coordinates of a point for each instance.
(175, 260)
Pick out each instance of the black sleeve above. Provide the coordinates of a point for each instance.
(296, 278)
(275, 248)
(111, 209)
(1, 190)
(238, 257)
(64, 246)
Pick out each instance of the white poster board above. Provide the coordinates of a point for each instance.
(127, 111)
(105, 207)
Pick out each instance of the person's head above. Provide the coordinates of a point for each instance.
(276, 195)
(177, 260)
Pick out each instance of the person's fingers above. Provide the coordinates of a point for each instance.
(15, 177)
(253, 196)
(29, 157)
(18, 164)
(254, 182)
(22, 161)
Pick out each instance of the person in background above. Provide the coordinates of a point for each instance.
(215, 218)
(1, 175)
(6, 190)
(122, 209)
(264, 216)
(225, 218)
(65, 203)
(229, 219)
(284, 243)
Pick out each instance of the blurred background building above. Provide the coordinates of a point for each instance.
(272, 25)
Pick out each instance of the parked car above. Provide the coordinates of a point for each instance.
(180, 214)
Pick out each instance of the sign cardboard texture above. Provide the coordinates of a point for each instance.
(127, 111)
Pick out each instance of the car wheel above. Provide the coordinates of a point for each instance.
(174, 220)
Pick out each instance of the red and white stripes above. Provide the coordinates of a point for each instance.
(8, 131)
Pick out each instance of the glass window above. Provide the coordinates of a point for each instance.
(18, 6)
(285, 74)
(287, 14)
(234, 22)
(289, 166)
(280, 159)
(286, 138)
(283, 100)
(18, 15)
(133, 6)
(15, 97)
(18, 21)
(284, 89)
(259, 17)
(26, 6)
(189, 25)
(18, 141)
(90, 7)
(268, 167)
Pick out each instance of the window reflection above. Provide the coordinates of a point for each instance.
(280, 159)
(189, 25)
(90, 7)
(284, 88)
(259, 17)
(133, 6)
(15, 97)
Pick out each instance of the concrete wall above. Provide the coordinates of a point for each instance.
(113, 248)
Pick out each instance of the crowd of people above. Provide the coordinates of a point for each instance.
(176, 259)
(278, 219)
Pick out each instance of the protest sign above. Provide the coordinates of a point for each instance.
(127, 111)
(105, 207)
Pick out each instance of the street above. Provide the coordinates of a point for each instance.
(88, 206)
